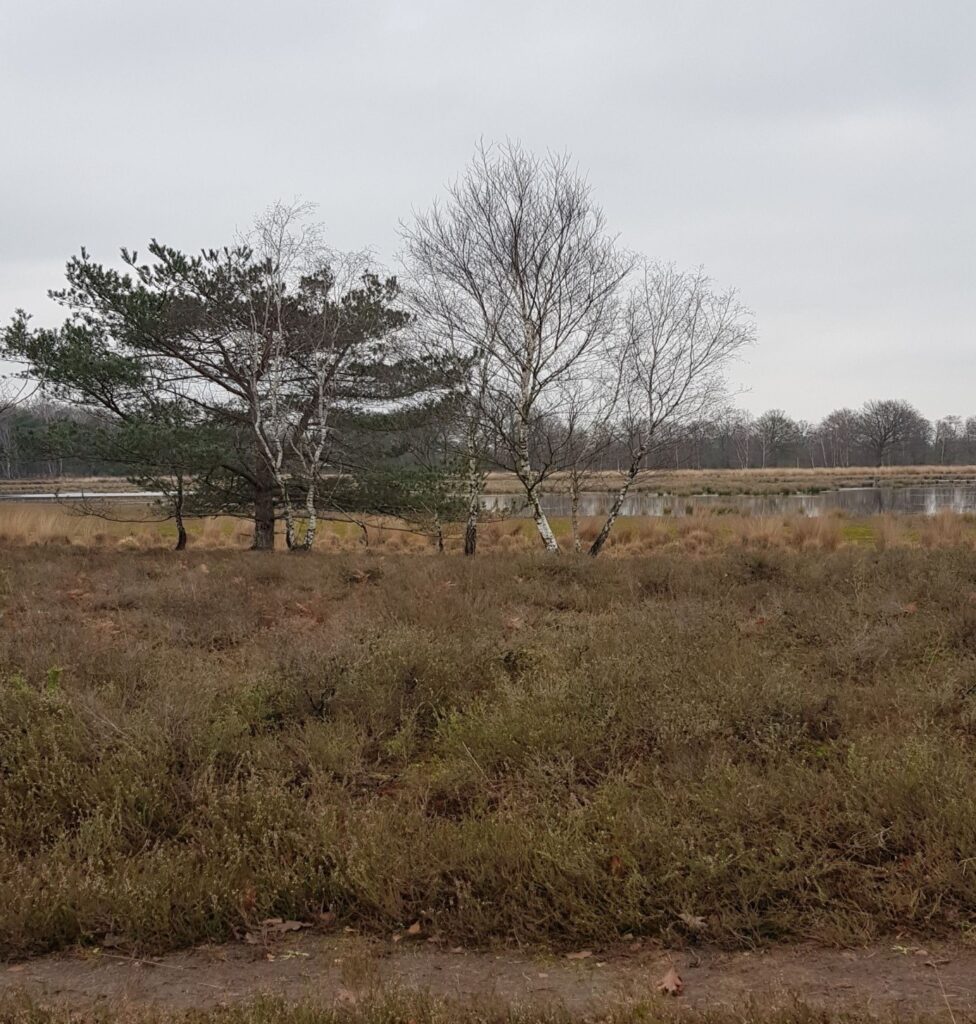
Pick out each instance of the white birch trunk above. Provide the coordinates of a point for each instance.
(618, 502)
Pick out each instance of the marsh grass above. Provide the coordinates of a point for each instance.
(774, 737)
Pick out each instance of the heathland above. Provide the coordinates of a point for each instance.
(774, 738)
(733, 733)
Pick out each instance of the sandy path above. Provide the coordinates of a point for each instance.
(884, 979)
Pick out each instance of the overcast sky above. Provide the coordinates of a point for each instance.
(818, 155)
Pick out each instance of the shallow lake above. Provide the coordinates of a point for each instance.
(854, 501)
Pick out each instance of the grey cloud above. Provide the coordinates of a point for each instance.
(817, 155)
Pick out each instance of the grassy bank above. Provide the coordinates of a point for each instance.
(778, 743)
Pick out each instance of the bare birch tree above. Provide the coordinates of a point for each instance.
(677, 339)
(517, 273)
(583, 429)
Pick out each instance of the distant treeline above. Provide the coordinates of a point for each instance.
(28, 451)
(885, 432)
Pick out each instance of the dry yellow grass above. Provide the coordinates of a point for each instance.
(32, 524)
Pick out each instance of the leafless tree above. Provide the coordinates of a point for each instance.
(739, 427)
(677, 340)
(838, 435)
(886, 423)
(13, 392)
(583, 432)
(776, 433)
(949, 433)
(517, 274)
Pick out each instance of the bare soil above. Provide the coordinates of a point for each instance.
(889, 979)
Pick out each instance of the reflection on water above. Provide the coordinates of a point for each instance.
(855, 501)
(83, 496)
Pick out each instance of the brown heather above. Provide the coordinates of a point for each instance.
(776, 735)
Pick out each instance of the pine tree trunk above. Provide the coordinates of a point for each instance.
(178, 516)
(264, 509)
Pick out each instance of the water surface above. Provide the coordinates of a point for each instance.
(854, 501)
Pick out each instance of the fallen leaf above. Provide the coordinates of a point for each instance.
(583, 954)
(458, 949)
(275, 924)
(671, 984)
(693, 922)
(16, 967)
(415, 929)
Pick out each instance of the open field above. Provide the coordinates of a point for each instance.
(773, 745)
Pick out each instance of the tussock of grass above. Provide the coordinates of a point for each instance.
(555, 751)
(35, 525)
